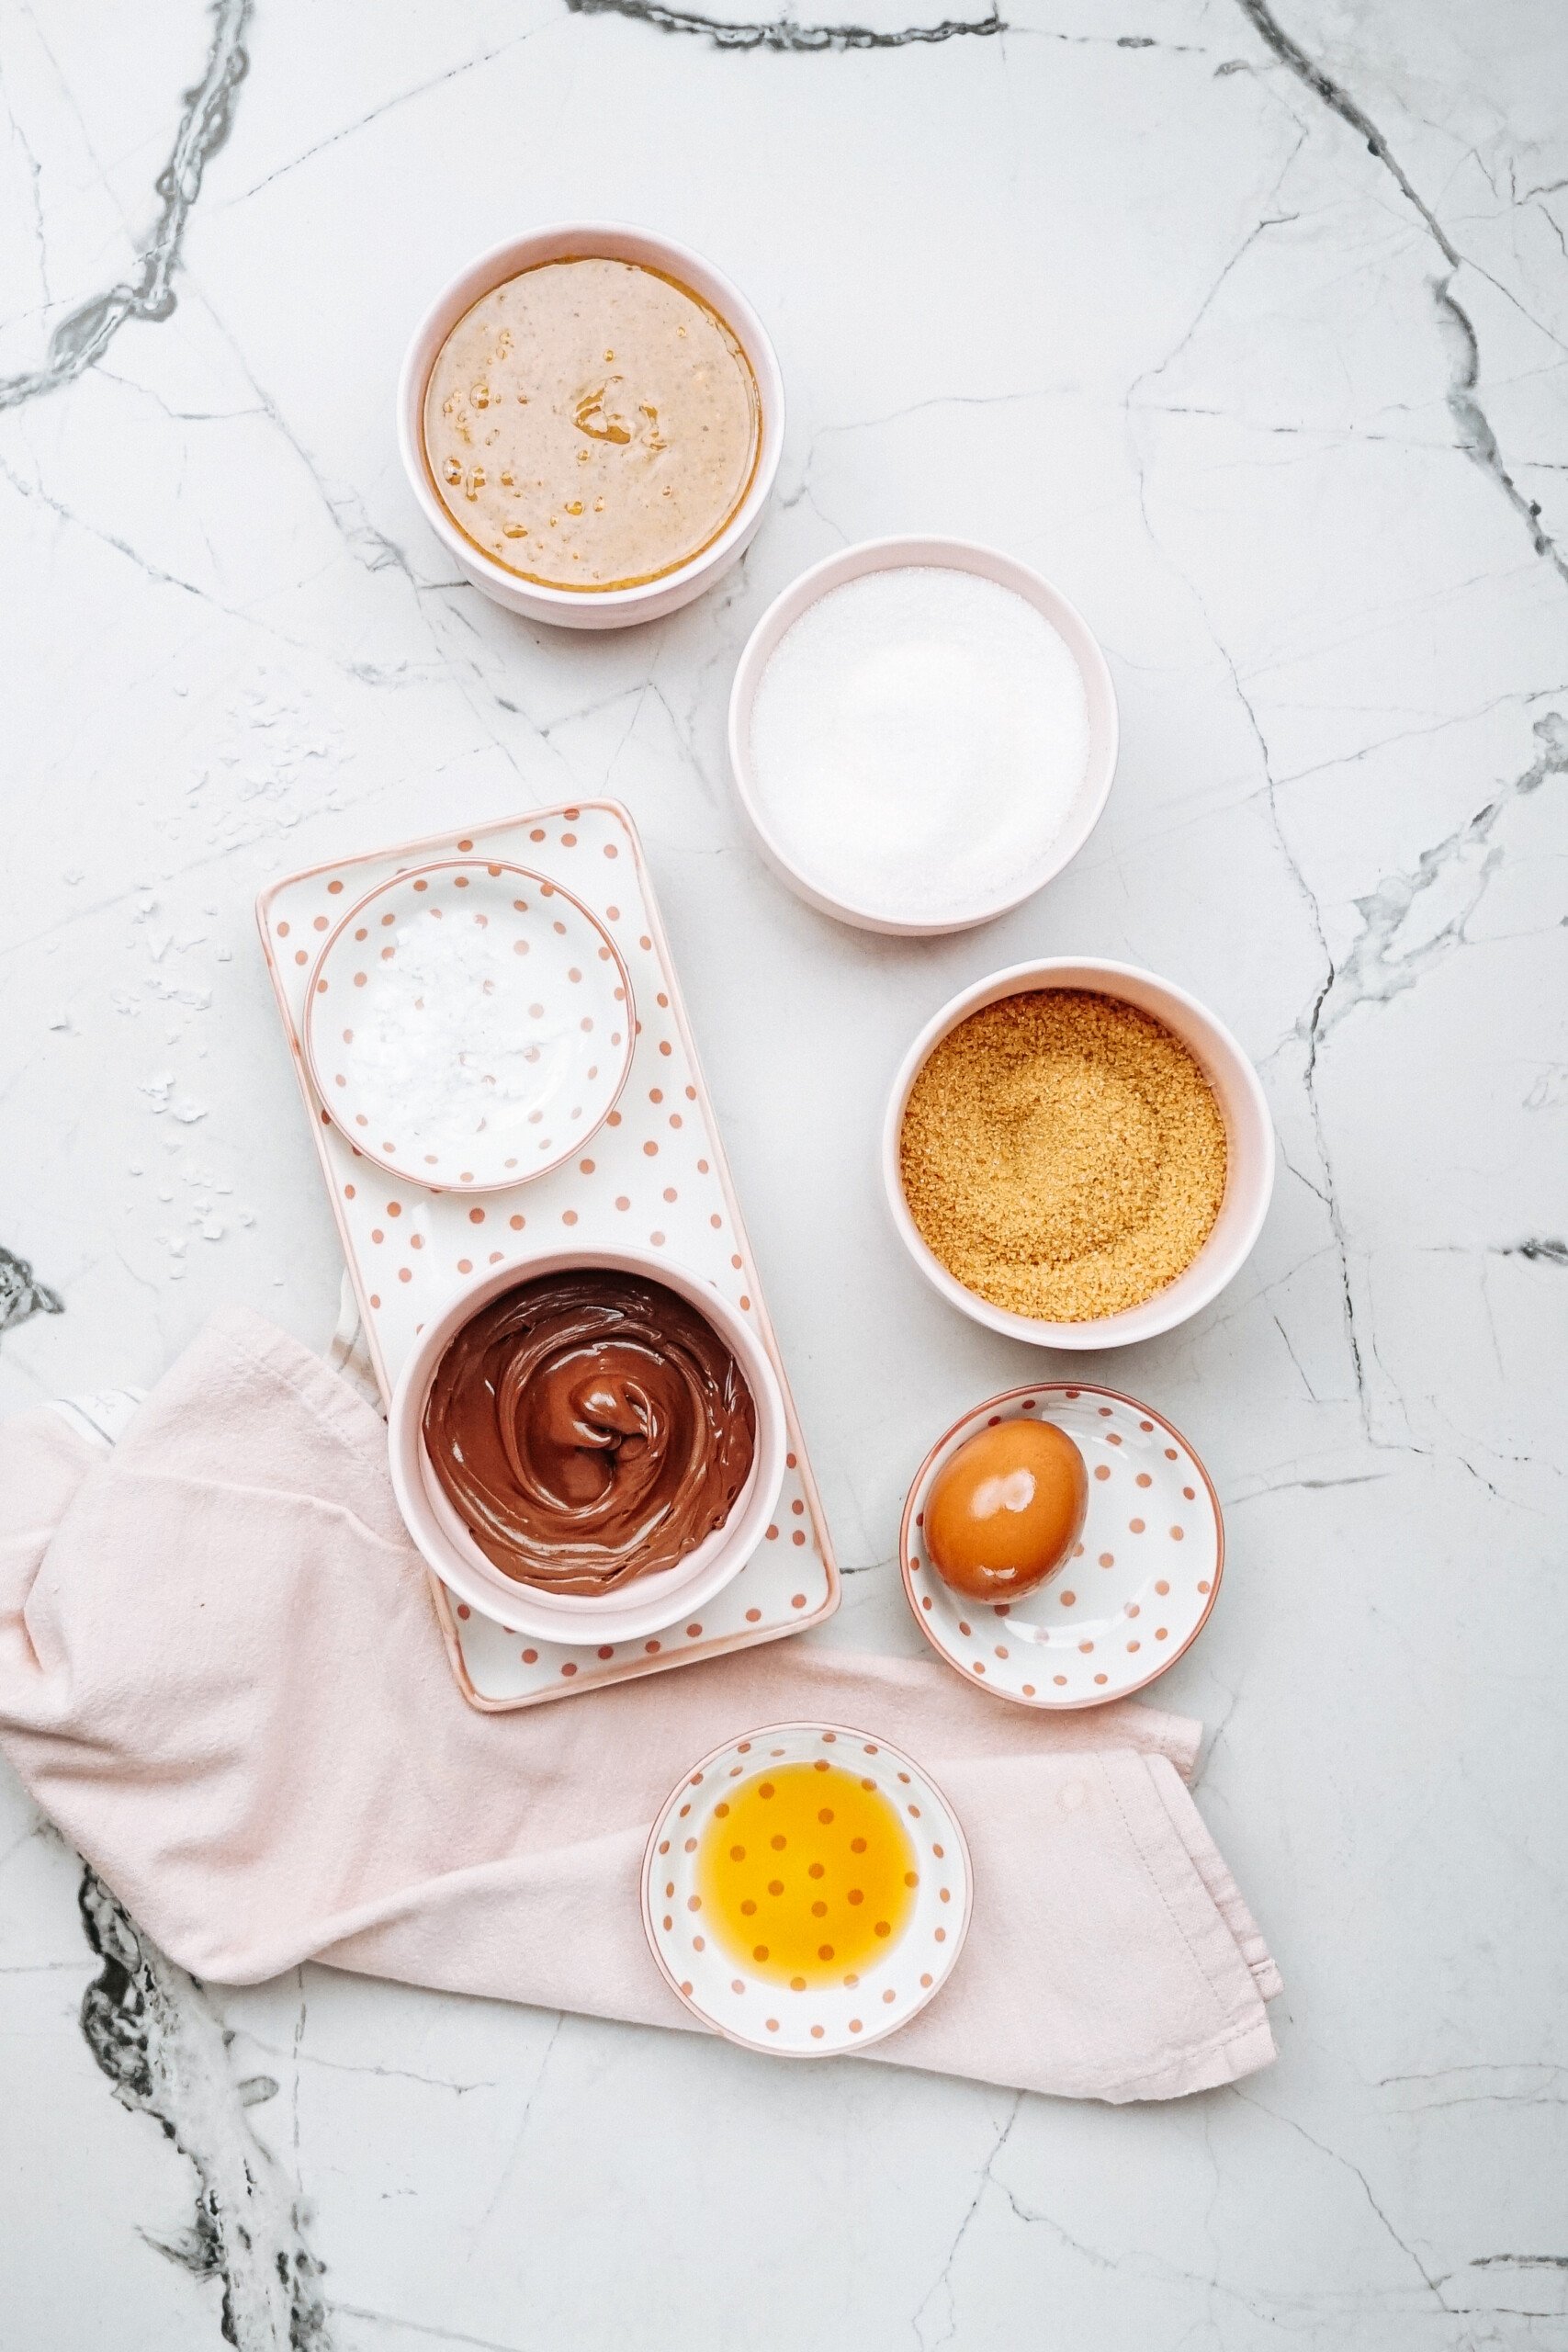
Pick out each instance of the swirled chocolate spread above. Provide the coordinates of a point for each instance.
(588, 1428)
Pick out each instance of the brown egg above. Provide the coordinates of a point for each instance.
(1005, 1512)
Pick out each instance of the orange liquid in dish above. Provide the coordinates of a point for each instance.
(807, 1874)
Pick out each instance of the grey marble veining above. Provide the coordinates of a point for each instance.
(153, 2034)
(82, 337)
(784, 32)
(1246, 324)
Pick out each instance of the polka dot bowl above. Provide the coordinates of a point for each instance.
(469, 1024)
(650, 1603)
(1142, 1578)
(806, 2020)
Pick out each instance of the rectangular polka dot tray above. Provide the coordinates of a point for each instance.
(655, 1173)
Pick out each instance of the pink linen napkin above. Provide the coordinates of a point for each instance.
(221, 1675)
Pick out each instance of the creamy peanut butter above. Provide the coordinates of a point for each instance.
(591, 424)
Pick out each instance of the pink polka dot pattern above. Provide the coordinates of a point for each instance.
(428, 1244)
(805, 2019)
(472, 1068)
(1067, 1644)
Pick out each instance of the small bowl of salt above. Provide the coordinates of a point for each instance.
(922, 732)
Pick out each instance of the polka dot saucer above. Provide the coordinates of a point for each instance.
(468, 1025)
(798, 2019)
(1138, 1587)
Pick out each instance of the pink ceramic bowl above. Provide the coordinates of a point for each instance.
(608, 607)
(947, 555)
(1249, 1176)
(648, 1604)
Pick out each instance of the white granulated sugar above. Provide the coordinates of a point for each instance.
(918, 741)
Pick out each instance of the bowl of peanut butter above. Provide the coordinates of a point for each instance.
(590, 418)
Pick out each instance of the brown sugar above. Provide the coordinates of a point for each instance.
(1063, 1155)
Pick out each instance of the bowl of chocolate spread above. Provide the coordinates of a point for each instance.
(587, 1444)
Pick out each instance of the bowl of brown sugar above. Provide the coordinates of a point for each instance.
(1078, 1153)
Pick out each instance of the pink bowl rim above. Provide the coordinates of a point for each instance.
(935, 551)
(560, 240)
(1182, 1298)
(497, 1597)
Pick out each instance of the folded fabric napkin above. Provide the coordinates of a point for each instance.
(221, 1676)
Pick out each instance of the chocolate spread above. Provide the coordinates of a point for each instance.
(588, 1428)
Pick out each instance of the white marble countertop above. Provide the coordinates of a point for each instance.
(1249, 332)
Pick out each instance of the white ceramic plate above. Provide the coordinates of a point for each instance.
(1141, 1581)
(726, 1992)
(469, 1025)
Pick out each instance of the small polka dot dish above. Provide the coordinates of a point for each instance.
(805, 1890)
(468, 1025)
(1141, 1580)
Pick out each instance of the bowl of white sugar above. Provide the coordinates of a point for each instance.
(921, 733)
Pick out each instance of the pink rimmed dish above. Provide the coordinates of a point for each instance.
(469, 1024)
(1141, 1581)
(819, 2021)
